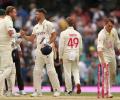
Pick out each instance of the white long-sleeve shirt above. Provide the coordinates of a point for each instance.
(43, 30)
(107, 42)
(5, 25)
(70, 40)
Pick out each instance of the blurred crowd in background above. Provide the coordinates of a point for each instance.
(88, 18)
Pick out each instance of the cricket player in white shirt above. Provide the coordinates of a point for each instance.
(45, 34)
(7, 38)
(70, 49)
(107, 41)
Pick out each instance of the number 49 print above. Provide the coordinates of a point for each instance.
(73, 42)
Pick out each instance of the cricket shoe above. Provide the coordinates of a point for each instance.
(22, 92)
(56, 93)
(36, 94)
(108, 95)
(1, 92)
(10, 94)
(78, 88)
(68, 93)
(1, 95)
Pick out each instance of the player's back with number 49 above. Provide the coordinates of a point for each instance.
(70, 45)
(70, 48)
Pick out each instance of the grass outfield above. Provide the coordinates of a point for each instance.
(48, 96)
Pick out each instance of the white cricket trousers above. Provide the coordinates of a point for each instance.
(40, 61)
(7, 69)
(9, 74)
(70, 68)
(112, 72)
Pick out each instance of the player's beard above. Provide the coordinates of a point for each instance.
(37, 19)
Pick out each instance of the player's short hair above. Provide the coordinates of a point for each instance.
(9, 9)
(109, 20)
(70, 21)
(2, 12)
(42, 10)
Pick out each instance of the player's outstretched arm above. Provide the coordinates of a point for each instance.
(101, 57)
(28, 38)
(100, 46)
(117, 41)
(81, 45)
(61, 47)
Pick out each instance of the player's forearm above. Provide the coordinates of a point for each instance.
(101, 57)
(10, 33)
(117, 44)
(60, 56)
(52, 40)
(60, 51)
(28, 38)
(80, 49)
(61, 46)
(117, 41)
(53, 37)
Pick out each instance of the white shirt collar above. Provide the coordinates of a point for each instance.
(44, 21)
(107, 31)
(70, 27)
(7, 16)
